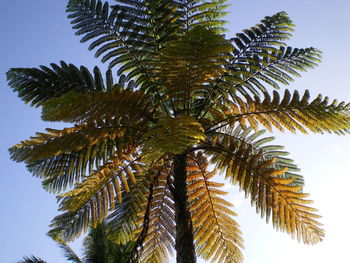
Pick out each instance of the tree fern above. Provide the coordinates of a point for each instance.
(138, 151)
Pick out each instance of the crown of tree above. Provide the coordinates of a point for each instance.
(139, 150)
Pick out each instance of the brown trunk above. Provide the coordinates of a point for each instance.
(185, 251)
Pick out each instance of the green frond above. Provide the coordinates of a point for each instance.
(187, 64)
(96, 194)
(290, 112)
(109, 180)
(238, 141)
(127, 33)
(273, 68)
(260, 58)
(99, 247)
(122, 220)
(63, 157)
(217, 235)
(69, 254)
(272, 31)
(31, 259)
(37, 85)
(118, 104)
(171, 135)
(157, 227)
(203, 13)
(265, 179)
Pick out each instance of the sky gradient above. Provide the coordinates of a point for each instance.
(37, 33)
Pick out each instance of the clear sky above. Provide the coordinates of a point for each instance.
(37, 33)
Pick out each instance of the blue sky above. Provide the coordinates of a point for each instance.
(37, 33)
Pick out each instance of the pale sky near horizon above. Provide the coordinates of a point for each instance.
(37, 33)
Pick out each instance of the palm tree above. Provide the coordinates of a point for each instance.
(140, 149)
(32, 259)
(98, 248)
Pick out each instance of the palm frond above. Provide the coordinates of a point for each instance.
(171, 135)
(238, 139)
(217, 235)
(272, 32)
(272, 190)
(99, 247)
(69, 254)
(189, 63)
(157, 227)
(251, 75)
(31, 259)
(208, 14)
(96, 245)
(289, 112)
(122, 223)
(132, 32)
(63, 157)
(260, 58)
(96, 194)
(128, 33)
(124, 105)
(37, 85)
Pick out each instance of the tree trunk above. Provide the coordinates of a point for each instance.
(185, 251)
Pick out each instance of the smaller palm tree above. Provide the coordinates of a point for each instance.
(98, 248)
(32, 259)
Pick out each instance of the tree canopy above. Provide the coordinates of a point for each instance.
(97, 248)
(140, 146)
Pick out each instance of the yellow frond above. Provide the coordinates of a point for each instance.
(212, 222)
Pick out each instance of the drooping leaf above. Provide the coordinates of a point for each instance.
(265, 179)
(216, 233)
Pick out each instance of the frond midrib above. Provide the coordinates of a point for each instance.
(266, 181)
(211, 203)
